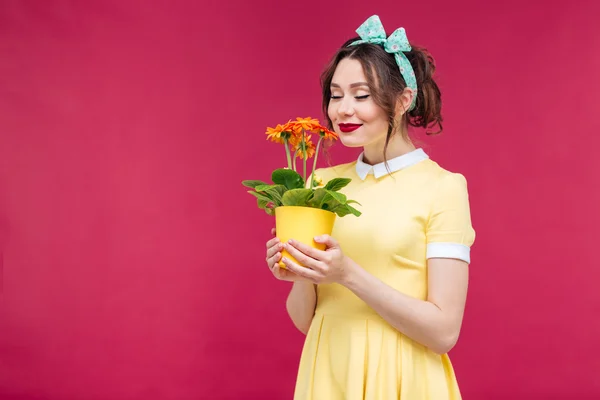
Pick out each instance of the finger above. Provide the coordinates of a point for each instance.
(277, 272)
(326, 240)
(302, 258)
(273, 260)
(272, 242)
(273, 231)
(274, 250)
(283, 274)
(307, 273)
(309, 251)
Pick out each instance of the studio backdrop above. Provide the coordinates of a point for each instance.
(132, 259)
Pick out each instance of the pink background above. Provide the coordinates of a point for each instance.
(133, 260)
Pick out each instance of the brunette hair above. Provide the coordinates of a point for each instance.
(386, 84)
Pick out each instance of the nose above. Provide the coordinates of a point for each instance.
(345, 106)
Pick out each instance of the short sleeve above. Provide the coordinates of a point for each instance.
(449, 230)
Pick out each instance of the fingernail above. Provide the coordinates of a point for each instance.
(291, 241)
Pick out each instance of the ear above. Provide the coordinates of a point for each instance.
(403, 102)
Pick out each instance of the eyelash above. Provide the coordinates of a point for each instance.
(364, 97)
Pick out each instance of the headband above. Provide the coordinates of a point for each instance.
(371, 31)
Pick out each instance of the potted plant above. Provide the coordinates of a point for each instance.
(302, 210)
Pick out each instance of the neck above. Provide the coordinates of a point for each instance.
(373, 153)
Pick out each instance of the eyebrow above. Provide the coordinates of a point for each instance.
(353, 85)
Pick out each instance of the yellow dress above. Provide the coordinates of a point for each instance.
(418, 212)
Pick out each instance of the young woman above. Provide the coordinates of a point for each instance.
(383, 304)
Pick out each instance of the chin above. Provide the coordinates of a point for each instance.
(351, 141)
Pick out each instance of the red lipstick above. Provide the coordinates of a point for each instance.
(349, 127)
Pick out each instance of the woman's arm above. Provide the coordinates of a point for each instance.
(435, 322)
(301, 304)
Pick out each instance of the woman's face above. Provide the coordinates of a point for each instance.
(355, 117)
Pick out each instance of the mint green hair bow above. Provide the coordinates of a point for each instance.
(371, 31)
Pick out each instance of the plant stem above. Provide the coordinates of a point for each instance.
(287, 152)
(312, 181)
(294, 162)
(304, 162)
(304, 154)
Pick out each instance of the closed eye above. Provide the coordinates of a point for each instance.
(364, 97)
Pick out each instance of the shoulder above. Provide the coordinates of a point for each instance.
(445, 190)
(439, 178)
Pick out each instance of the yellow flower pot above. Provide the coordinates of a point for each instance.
(302, 224)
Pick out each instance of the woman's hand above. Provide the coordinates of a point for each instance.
(274, 247)
(320, 266)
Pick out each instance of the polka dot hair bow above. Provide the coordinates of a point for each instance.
(371, 31)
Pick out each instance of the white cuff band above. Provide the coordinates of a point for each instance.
(449, 250)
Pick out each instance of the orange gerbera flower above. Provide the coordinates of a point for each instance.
(327, 134)
(294, 128)
(279, 133)
(308, 123)
(305, 150)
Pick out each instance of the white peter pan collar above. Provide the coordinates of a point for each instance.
(395, 164)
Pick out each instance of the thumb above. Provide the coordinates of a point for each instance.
(327, 240)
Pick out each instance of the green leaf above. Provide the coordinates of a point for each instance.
(288, 178)
(297, 197)
(344, 209)
(275, 192)
(341, 210)
(339, 197)
(332, 200)
(262, 202)
(317, 200)
(268, 210)
(337, 183)
(353, 202)
(252, 183)
(263, 205)
(353, 210)
(260, 196)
